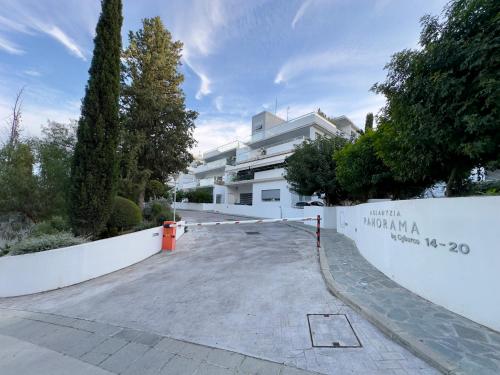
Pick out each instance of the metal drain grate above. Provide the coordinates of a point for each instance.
(252, 232)
(332, 331)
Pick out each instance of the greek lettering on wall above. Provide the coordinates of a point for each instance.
(407, 231)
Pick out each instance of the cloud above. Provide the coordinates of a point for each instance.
(50, 18)
(218, 103)
(300, 12)
(196, 24)
(65, 40)
(216, 131)
(10, 47)
(9, 25)
(32, 73)
(313, 62)
(355, 109)
(34, 116)
(205, 82)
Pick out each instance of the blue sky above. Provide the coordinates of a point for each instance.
(239, 56)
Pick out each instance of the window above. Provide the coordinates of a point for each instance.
(219, 198)
(271, 195)
(246, 198)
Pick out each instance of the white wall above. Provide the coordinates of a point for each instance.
(53, 269)
(394, 236)
(222, 190)
(328, 216)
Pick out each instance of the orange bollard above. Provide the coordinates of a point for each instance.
(168, 243)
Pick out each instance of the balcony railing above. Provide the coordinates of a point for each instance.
(246, 154)
(221, 149)
(211, 165)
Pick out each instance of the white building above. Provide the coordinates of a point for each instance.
(251, 172)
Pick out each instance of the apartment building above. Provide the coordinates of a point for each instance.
(251, 172)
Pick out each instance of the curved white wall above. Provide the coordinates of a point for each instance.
(53, 269)
(460, 270)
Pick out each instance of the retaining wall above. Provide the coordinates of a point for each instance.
(446, 250)
(53, 269)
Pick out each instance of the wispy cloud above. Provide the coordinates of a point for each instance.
(32, 73)
(32, 17)
(216, 131)
(218, 103)
(10, 25)
(312, 62)
(205, 82)
(64, 39)
(300, 12)
(10, 47)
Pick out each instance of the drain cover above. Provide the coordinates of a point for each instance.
(332, 331)
(252, 232)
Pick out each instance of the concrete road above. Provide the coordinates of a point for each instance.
(247, 289)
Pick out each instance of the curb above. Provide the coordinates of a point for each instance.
(386, 326)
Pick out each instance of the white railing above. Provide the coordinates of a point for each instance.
(221, 149)
(209, 166)
(246, 154)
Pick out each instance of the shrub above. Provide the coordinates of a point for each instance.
(125, 215)
(54, 225)
(158, 211)
(199, 195)
(44, 242)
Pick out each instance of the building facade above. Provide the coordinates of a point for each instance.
(251, 172)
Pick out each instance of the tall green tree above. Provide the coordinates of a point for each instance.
(19, 189)
(442, 116)
(95, 164)
(312, 169)
(54, 152)
(153, 103)
(363, 174)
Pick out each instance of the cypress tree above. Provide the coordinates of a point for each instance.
(94, 169)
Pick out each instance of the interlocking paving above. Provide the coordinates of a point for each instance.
(223, 289)
(467, 347)
(114, 350)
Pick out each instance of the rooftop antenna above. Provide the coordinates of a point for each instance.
(276, 106)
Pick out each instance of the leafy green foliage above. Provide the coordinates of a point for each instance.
(312, 168)
(363, 175)
(44, 242)
(55, 224)
(442, 116)
(156, 189)
(159, 211)
(198, 195)
(19, 190)
(125, 215)
(153, 103)
(53, 153)
(94, 169)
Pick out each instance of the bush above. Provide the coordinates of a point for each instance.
(483, 188)
(200, 195)
(159, 211)
(44, 242)
(125, 215)
(54, 225)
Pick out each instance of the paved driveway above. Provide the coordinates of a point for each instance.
(243, 288)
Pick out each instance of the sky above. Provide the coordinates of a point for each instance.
(240, 57)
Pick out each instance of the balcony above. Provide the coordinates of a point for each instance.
(246, 154)
(297, 123)
(221, 149)
(217, 164)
